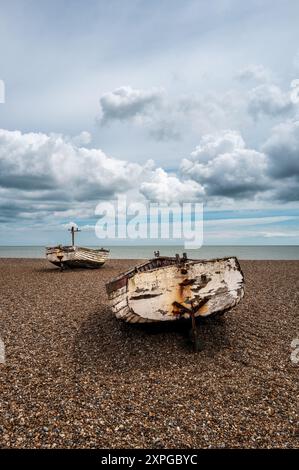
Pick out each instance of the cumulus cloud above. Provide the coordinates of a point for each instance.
(42, 174)
(167, 188)
(226, 168)
(269, 100)
(51, 173)
(127, 103)
(255, 72)
(45, 175)
(223, 165)
(40, 161)
(166, 118)
(147, 109)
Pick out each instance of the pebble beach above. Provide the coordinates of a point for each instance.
(76, 377)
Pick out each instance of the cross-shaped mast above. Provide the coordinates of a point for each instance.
(73, 230)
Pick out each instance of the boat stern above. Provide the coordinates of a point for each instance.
(59, 255)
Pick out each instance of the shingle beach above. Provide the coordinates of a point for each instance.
(76, 377)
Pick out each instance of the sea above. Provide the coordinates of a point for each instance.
(266, 252)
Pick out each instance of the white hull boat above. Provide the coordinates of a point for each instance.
(172, 288)
(76, 257)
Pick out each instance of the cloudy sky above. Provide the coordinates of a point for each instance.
(162, 100)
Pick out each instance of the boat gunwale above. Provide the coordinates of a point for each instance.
(130, 273)
(69, 249)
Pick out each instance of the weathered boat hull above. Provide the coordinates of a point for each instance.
(167, 289)
(76, 257)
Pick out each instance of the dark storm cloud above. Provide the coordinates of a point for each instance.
(26, 182)
(282, 147)
(287, 190)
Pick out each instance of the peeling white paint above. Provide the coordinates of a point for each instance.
(73, 256)
(168, 293)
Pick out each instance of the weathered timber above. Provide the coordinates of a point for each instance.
(171, 288)
(76, 256)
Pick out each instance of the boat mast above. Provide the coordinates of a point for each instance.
(73, 230)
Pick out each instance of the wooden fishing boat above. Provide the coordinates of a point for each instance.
(172, 288)
(76, 256)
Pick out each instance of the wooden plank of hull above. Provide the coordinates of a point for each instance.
(76, 257)
(155, 291)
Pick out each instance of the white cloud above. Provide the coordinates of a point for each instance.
(148, 109)
(225, 167)
(82, 228)
(70, 225)
(127, 103)
(166, 188)
(274, 234)
(269, 100)
(42, 173)
(40, 161)
(168, 117)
